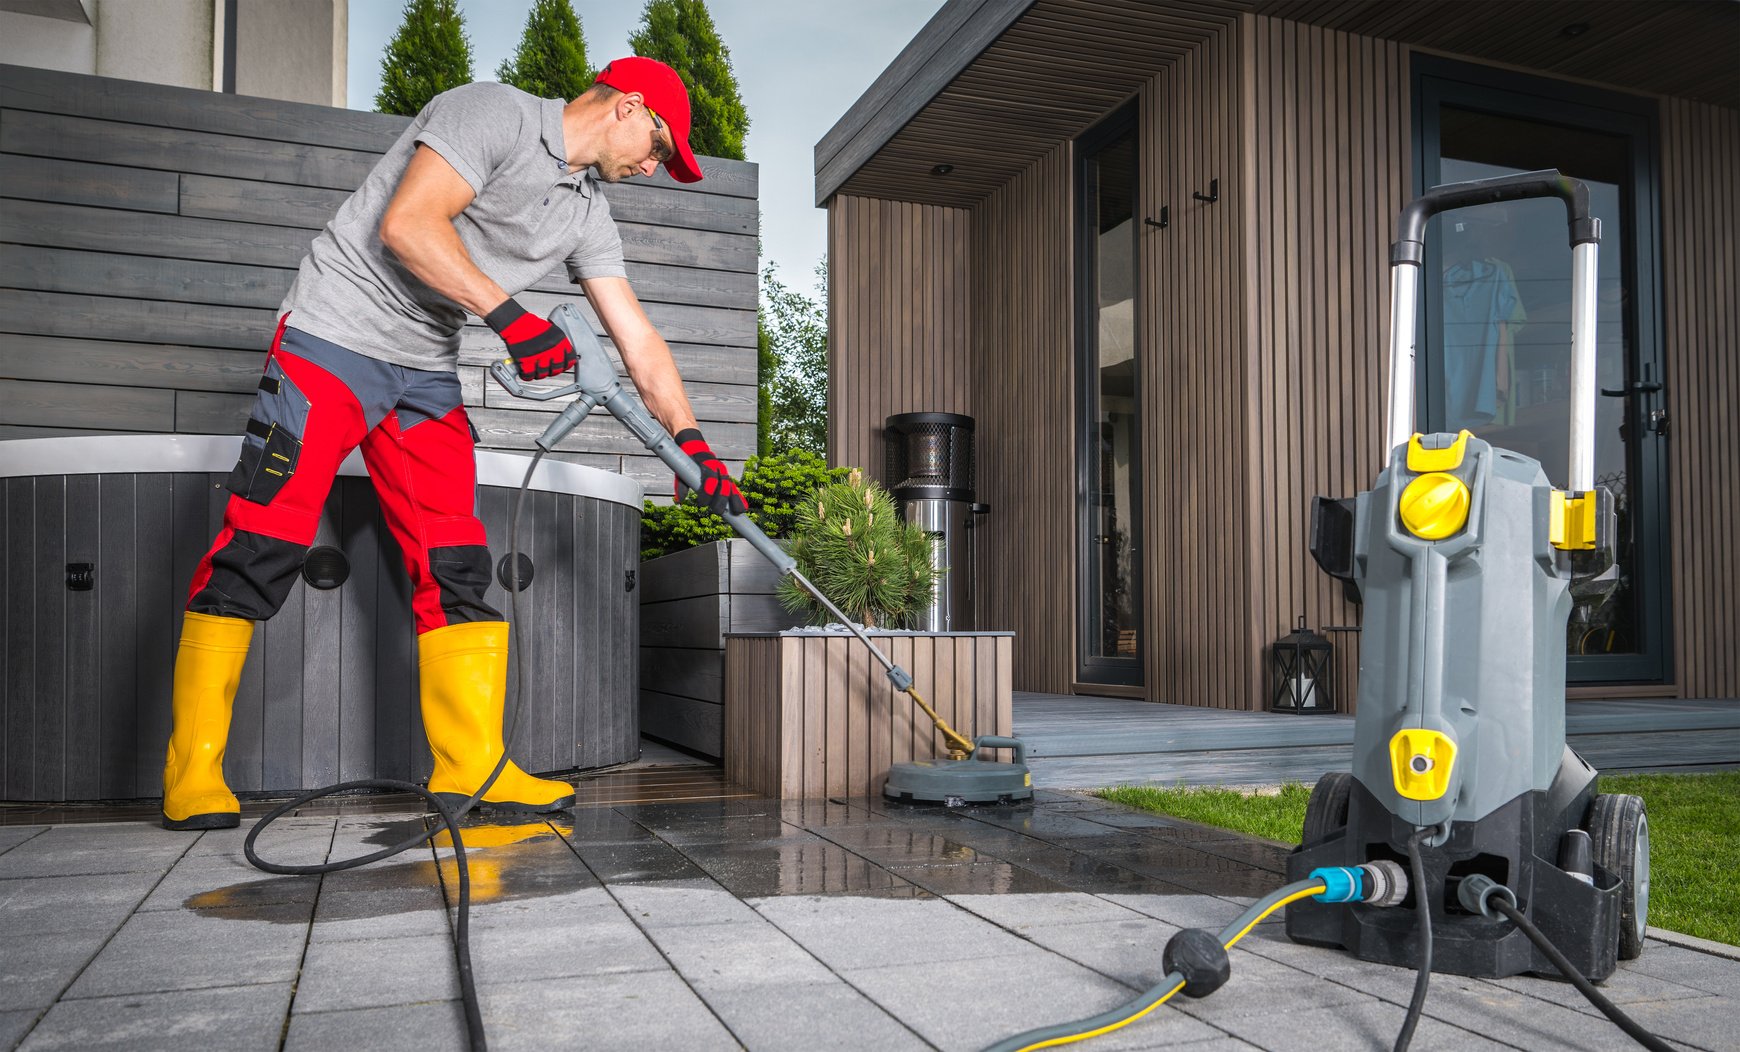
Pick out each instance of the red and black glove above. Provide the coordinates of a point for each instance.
(718, 493)
(539, 348)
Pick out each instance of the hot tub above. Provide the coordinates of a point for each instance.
(101, 538)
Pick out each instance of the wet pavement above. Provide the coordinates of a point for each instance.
(671, 910)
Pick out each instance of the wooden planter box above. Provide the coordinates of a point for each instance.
(689, 600)
(812, 715)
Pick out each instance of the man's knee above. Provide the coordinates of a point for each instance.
(462, 574)
(251, 576)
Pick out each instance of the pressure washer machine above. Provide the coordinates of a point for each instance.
(1464, 555)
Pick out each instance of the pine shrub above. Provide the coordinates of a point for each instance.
(850, 542)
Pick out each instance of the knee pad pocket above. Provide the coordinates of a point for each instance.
(251, 576)
(462, 573)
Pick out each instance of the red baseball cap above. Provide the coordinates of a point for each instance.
(666, 96)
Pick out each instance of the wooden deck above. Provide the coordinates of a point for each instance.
(1086, 742)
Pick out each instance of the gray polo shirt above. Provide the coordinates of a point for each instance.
(531, 212)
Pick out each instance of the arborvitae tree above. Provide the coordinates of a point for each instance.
(680, 34)
(551, 60)
(429, 54)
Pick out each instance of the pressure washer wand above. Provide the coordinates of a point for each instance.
(596, 385)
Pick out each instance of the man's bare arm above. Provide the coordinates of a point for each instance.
(418, 228)
(644, 351)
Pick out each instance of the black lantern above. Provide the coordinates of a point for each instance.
(1302, 672)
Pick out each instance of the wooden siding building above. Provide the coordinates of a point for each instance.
(149, 233)
(1267, 148)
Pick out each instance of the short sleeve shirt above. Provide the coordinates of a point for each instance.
(530, 214)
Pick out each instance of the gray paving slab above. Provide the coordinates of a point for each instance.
(1712, 1024)
(14, 1024)
(826, 1015)
(436, 1026)
(592, 941)
(288, 840)
(1128, 950)
(751, 953)
(1188, 910)
(213, 883)
(849, 932)
(1020, 911)
(1361, 1027)
(33, 972)
(511, 909)
(988, 876)
(197, 949)
(45, 905)
(1688, 967)
(967, 1004)
(381, 912)
(12, 836)
(682, 902)
(238, 1017)
(87, 850)
(651, 1011)
(376, 973)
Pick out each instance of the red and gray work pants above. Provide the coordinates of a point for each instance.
(318, 401)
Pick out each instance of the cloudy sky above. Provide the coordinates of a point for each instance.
(800, 65)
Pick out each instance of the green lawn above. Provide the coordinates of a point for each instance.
(1694, 828)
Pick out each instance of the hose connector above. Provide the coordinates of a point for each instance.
(1380, 883)
(1340, 884)
(1477, 891)
(1386, 883)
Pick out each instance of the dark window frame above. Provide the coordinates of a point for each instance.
(1437, 81)
(1131, 672)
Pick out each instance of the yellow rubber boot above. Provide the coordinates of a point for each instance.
(208, 666)
(463, 669)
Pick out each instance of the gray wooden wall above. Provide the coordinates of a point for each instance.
(149, 233)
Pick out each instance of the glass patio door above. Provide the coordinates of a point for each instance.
(1108, 444)
(1496, 349)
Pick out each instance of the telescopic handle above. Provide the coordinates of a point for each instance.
(1407, 254)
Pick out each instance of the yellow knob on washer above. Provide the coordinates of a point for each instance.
(1434, 506)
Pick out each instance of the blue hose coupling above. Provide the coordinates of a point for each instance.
(1340, 884)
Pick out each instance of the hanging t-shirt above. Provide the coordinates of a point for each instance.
(1480, 300)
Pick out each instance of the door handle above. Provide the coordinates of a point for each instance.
(1634, 387)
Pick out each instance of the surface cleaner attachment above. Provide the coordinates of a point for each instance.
(959, 780)
(1464, 557)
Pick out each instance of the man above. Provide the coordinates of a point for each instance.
(486, 192)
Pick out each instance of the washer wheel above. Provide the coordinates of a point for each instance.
(1618, 829)
(1326, 810)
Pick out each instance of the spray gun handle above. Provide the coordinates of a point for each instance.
(598, 383)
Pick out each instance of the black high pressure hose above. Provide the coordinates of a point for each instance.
(449, 817)
(1423, 908)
